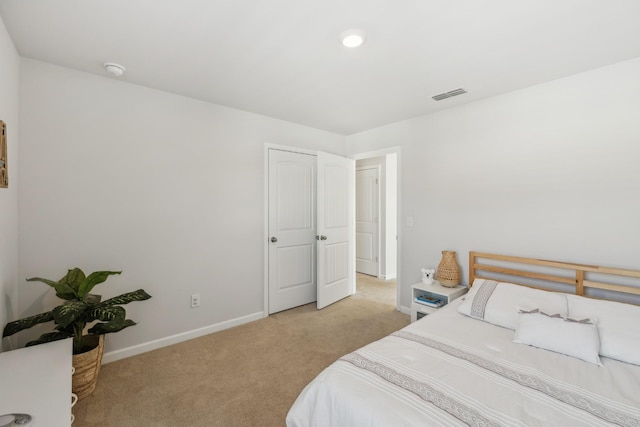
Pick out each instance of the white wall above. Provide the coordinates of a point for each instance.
(9, 83)
(166, 188)
(550, 171)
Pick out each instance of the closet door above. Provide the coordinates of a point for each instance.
(292, 230)
(336, 228)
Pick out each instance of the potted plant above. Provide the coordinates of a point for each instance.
(79, 309)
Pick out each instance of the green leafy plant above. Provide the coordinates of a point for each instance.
(80, 308)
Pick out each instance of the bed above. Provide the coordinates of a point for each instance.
(508, 353)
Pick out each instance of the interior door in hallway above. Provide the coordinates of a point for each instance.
(336, 228)
(292, 230)
(367, 221)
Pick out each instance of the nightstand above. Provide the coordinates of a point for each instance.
(435, 290)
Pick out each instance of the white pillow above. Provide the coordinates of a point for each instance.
(566, 336)
(498, 303)
(618, 325)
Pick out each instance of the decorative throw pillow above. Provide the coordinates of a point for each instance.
(572, 337)
(618, 326)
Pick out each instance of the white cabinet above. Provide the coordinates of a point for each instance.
(434, 291)
(37, 381)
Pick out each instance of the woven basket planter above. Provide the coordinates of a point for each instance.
(87, 366)
(448, 271)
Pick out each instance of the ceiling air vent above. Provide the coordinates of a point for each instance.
(449, 94)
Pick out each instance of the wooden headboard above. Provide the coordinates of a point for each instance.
(556, 275)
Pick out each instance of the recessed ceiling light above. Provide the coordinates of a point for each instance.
(352, 38)
(114, 69)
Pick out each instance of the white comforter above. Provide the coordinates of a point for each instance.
(451, 370)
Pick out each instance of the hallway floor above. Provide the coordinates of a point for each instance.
(374, 289)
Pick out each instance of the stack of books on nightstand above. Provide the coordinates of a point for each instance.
(429, 301)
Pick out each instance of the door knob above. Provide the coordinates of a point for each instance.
(274, 239)
(323, 237)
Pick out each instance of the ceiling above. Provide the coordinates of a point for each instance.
(283, 59)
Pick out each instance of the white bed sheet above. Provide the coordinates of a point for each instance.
(451, 370)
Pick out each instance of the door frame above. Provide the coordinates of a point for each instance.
(398, 152)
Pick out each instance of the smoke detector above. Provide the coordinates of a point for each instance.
(114, 69)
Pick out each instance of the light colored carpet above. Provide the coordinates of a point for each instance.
(373, 289)
(245, 376)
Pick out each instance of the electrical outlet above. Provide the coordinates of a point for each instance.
(195, 300)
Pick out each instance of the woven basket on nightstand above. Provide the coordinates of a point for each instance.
(448, 271)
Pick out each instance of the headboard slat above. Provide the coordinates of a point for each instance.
(611, 287)
(516, 283)
(579, 282)
(520, 273)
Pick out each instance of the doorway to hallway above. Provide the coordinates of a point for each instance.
(377, 220)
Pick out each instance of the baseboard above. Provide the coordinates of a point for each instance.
(112, 356)
(405, 310)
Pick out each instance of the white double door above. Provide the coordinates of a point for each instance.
(311, 223)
